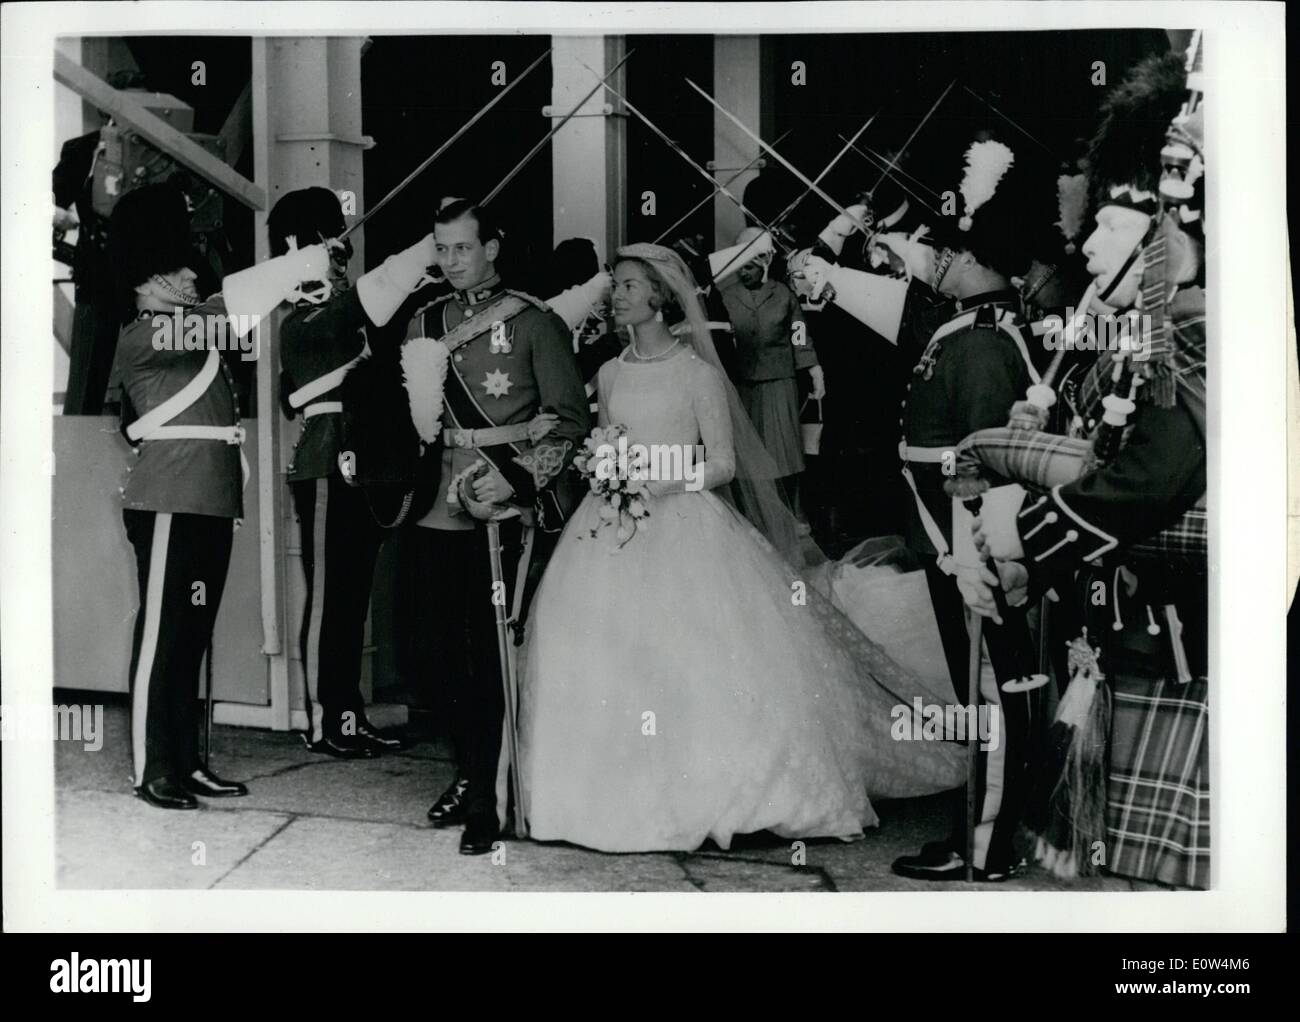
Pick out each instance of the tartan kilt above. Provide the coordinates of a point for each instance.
(1158, 792)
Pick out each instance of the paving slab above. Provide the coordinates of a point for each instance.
(316, 853)
(109, 841)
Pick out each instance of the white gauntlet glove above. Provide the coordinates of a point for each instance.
(253, 293)
(385, 287)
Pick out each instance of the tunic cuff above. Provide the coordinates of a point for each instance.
(1055, 535)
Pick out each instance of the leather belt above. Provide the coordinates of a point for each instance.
(924, 455)
(322, 408)
(489, 437)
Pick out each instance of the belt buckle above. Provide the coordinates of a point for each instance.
(238, 436)
(902, 451)
(464, 438)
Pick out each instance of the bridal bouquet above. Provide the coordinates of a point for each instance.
(615, 475)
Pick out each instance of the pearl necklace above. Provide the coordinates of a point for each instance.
(653, 358)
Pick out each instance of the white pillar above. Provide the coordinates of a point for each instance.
(738, 85)
(306, 94)
(589, 154)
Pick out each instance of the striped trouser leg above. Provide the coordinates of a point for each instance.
(181, 563)
(311, 500)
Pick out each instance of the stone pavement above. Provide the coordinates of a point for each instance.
(315, 823)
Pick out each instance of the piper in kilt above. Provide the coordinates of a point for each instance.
(509, 416)
(1129, 532)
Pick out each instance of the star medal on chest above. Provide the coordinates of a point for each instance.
(497, 383)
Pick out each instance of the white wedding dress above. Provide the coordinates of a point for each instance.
(678, 688)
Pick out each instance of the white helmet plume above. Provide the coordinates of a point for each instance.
(986, 164)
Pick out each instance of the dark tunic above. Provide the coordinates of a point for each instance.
(314, 341)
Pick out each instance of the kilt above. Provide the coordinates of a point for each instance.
(1158, 793)
(773, 407)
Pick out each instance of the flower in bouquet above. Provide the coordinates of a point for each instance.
(620, 486)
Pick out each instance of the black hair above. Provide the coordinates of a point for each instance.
(488, 230)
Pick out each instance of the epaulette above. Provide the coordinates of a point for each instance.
(530, 299)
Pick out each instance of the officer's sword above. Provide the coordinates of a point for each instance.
(685, 156)
(767, 148)
(709, 198)
(911, 138)
(551, 134)
(505, 651)
(446, 145)
(805, 193)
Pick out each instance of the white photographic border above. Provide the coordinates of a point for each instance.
(1249, 324)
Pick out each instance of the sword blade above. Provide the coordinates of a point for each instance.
(878, 161)
(712, 192)
(447, 144)
(552, 133)
(804, 194)
(686, 157)
(912, 137)
(1042, 145)
(816, 190)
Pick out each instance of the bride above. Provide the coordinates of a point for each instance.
(686, 683)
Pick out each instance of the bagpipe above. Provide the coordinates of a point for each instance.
(1067, 808)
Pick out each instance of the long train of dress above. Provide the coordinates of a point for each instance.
(684, 686)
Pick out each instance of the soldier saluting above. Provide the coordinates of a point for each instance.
(510, 369)
(184, 493)
(319, 344)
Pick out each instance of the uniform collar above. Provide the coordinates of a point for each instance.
(482, 292)
(1004, 296)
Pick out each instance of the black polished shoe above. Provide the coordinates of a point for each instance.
(209, 785)
(166, 793)
(377, 740)
(938, 862)
(342, 747)
(449, 810)
(481, 833)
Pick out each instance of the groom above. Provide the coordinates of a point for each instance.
(512, 359)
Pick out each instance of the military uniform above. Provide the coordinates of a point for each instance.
(518, 359)
(1143, 590)
(339, 536)
(182, 498)
(966, 379)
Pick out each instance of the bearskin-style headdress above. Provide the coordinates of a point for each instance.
(1123, 160)
(149, 232)
(308, 215)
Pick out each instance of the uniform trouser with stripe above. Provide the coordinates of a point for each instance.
(461, 618)
(340, 543)
(1002, 773)
(174, 553)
